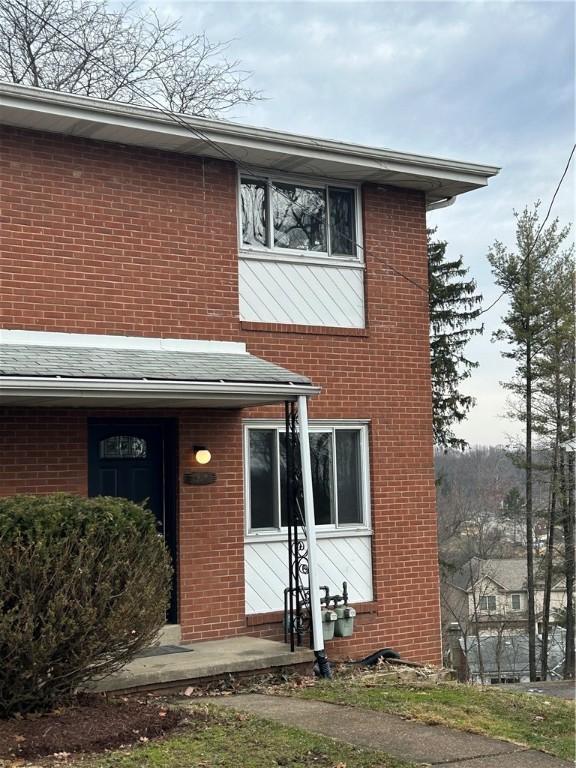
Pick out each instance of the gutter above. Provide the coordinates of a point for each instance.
(23, 386)
(100, 112)
(441, 204)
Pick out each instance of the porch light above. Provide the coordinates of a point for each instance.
(202, 454)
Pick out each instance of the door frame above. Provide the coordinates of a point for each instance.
(168, 428)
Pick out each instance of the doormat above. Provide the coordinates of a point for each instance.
(162, 650)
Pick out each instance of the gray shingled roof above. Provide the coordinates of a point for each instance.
(94, 363)
(510, 573)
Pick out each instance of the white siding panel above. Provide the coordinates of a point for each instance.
(339, 559)
(301, 294)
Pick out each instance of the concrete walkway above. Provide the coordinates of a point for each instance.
(407, 739)
(560, 689)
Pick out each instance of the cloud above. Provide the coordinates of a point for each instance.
(488, 82)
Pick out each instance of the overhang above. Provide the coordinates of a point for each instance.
(216, 375)
(44, 110)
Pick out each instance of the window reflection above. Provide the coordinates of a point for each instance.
(263, 478)
(309, 218)
(299, 217)
(336, 479)
(253, 196)
(342, 235)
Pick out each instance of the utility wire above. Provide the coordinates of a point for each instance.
(251, 172)
(541, 227)
(175, 117)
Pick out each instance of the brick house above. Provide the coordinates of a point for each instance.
(168, 287)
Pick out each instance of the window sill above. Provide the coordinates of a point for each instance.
(294, 257)
(316, 330)
(275, 617)
(334, 533)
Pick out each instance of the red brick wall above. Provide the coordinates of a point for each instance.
(42, 451)
(211, 530)
(120, 241)
(139, 242)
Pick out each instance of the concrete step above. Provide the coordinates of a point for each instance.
(203, 661)
(170, 634)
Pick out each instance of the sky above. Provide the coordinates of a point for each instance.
(487, 82)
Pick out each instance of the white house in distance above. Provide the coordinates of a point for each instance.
(493, 593)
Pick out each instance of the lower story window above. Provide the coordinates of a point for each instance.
(339, 476)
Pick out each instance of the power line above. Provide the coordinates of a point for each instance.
(533, 246)
(249, 170)
(254, 173)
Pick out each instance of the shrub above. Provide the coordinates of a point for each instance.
(84, 585)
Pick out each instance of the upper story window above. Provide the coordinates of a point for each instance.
(487, 603)
(287, 217)
(516, 602)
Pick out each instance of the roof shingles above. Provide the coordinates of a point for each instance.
(95, 363)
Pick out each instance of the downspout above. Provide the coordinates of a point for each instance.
(441, 204)
(313, 582)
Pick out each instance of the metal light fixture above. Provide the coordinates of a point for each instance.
(202, 454)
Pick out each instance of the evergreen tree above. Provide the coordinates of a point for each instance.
(523, 276)
(454, 304)
(553, 424)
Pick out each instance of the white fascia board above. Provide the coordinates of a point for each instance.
(83, 115)
(47, 386)
(487, 577)
(102, 341)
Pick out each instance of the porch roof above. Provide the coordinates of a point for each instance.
(42, 374)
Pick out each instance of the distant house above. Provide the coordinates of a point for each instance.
(493, 594)
(503, 658)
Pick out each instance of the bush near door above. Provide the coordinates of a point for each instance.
(84, 585)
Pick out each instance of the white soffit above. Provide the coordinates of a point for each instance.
(45, 110)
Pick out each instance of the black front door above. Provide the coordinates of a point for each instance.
(133, 459)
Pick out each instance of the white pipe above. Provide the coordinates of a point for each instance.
(315, 608)
(441, 204)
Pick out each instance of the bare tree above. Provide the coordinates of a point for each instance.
(83, 47)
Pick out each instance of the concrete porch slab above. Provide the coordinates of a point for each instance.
(206, 659)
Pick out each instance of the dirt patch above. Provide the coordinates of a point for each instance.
(90, 725)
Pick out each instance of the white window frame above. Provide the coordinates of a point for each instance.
(487, 599)
(323, 531)
(272, 253)
(512, 596)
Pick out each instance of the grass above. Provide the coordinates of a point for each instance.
(534, 721)
(218, 738)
